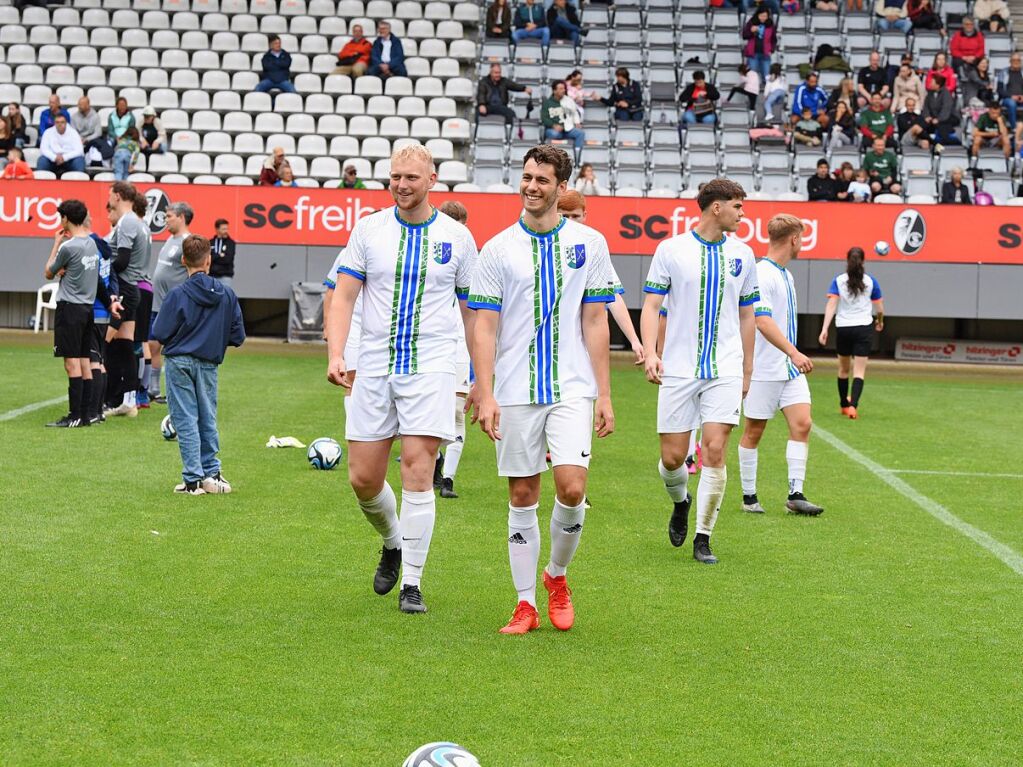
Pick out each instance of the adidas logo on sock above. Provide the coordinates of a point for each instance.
(577, 528)
(517, 538)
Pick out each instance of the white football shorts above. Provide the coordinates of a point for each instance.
(382, 407)
(462, 370)
(765, 398)
(528, 431)
(684, 404)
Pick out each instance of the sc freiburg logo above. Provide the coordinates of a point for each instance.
(910, 232)
(156, 210)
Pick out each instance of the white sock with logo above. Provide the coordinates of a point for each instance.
(796, 454)
(524, 550)
(748, 469)
(566, 530)
(382, 513)
(708, 497)
(675, 481)
(454, 452)
(418, 512)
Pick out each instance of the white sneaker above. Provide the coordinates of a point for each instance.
(123, 409)
(216, 485)
(190, 488)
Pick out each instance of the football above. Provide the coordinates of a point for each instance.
(167, 429)
(881, 248)
(324, 453)
(441, 755)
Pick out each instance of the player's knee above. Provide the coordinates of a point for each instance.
(521, 497)
(714, 450)
(801, 429)
(572, 493)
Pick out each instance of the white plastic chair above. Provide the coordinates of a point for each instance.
(46, 298)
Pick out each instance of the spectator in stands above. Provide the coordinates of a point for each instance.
(285, 177)
(560, 117)
(126, 153)
(499, 19)
(563, 22)
(822, 187)
(1010, 89)
(859, 188)
(844, 177)
(46, 119)
(86, 121)
(873, 79)
(774, 6)
(748, 86)
(530, 21)
(272, 167)
(843, 125)
(876, 122)
(761, 38)
(892, 16)
(698, 100)
(992, 15)
(991, 130)
(587, 183)
(776, 90)
(845, 92)
(492, 94)
(966, 45)
(911, 127)
(922, 15)
(16, 167)
(152, 136)
(808, 130)
(574, 83)
(941, 67)
(276, 63)
(119, 121)
(388, 56)
(60, 148)
(977, 84)
(353, 59)
(222, 247)
(907, 85)
(810, 94)
(941, 116)
(16, 124)
(954, 190)
(350, 179)
(6, 142)
(824, 6)
(626, 97)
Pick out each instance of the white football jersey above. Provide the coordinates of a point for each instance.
(539, 281)
(777, 301)
(707, 282)
(355, 330)
(410, 274)
(854, 310)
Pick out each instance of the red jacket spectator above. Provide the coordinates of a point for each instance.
(750, 33)
(941, 67)
(17, 169)
(963, 45)
(360, 48)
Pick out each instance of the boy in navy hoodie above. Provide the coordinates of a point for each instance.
(198, 320)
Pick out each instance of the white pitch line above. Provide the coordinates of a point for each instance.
(956, 473)
(1008, 556)
(10, 415)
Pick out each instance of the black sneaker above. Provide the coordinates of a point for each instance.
(751, 504)
(702, 552)
(63, 423)
(159, 399)
(94, 419)
(410, 600)
(447, 488)
(79, 423)
(438, 472)
(189, 488)
(797, 504)
(678, 525)
(387, 571)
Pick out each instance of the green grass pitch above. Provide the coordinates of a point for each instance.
(139, 627)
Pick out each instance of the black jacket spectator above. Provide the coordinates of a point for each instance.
(822, 189)
(222, 260)
(492, 94)
(628, 91)
(906, 120)
(552, 20)
(686, 99)
(499, 19)
(950, 193)
(277, 69)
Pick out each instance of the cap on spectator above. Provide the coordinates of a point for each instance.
(149, 112)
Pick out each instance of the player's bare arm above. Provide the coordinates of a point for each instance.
(620, 312)
(338, 324)
(829, 315)
(649, 328)
(769, 329)
(597, 338)
(879, 321)
(748, 331)
(484, 351)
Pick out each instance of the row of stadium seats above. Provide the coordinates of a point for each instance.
(347, 8)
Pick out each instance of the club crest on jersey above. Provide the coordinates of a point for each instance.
(575, 256)
(735, 266)
(442, 252)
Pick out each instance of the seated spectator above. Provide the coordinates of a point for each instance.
(992, 15)
(15, 120)
(882, 168)
(6, 142)
(16, 167)
(272, 167)
(992, 131)
(843, 125)
(563, 22)
(811, 95)
(940, 113)
(941, 67)
(574, 83)
(748, 86)
(847, 93)
(954, 190)
(499, 19)
(922, 15)
(854, 5)
(761, 38)
(966, 45)
(530, 21)
(774, 6)
(892, 16)
(119, 121)
(843, 178)
(560, 117)
(907, 85)
(60, 148)
(977, 84)
(911, 126)
(152, 136)
(492, 94)
(46, 119)
(873, 79)
(698, 100)
(876, 122)
(86, 121)
(776, 90)
(825, 6)
(351, 179)
(586, 182)
(807, 130)
(388, 56)
(276, 74)
(353, 59)
(822, 187)
(1010, 89)
(285, 177)
(626, 97)
(859, 188)
(126, 153)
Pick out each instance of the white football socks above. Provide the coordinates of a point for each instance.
(566, 530)
(708, 497)
(453, 454)
(382, 513)
(675, 481)
(524, 550)
(418, 512)
(748, 469)
(795, 454)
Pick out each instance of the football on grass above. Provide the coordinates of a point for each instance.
(324, 453)
(441, 755)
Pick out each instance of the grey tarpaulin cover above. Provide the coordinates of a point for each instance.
(305, 311)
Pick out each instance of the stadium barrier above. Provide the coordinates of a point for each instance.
(958, 350)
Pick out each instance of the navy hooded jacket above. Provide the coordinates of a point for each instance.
(200, 318)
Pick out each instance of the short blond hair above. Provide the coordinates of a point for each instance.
(783, 226)
(413, 152)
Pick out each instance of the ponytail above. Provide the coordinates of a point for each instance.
(854, 271)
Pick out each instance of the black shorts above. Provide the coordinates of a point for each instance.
(129, 305)
(143, 316)
(855, 341)
(98, 346)
(72, 330)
